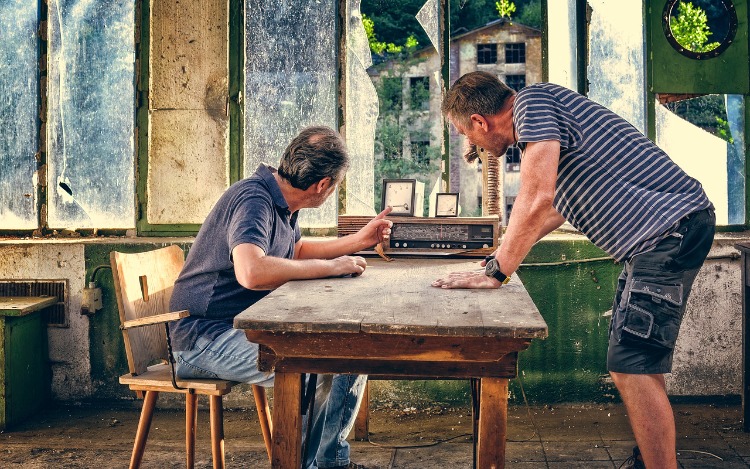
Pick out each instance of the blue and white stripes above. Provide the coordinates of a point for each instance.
(613, 184)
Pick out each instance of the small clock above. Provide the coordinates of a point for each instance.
(405, 196)
(446, 204)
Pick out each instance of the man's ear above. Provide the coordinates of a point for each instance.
(478, 121)
(323, 185)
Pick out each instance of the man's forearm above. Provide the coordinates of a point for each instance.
(331, 248)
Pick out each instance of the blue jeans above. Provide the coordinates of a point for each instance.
(337, 397)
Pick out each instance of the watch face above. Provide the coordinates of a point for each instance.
(446, 205)
(399, 194)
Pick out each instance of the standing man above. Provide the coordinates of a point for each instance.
(249, 245)
(585, 164)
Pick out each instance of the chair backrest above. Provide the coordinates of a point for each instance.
(143, 284)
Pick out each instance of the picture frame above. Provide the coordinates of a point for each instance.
(405, 196)
(446, 204)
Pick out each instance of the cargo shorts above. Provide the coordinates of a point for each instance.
(652, 293)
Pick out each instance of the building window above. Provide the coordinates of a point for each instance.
(515, 53)
(515, 82)
(420, 151)
(486, 53)
(419, 93)
(513, 159)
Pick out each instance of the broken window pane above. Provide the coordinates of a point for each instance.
(90, 126)
(19, 89)
(407, 78)
(705, 136)
(361, 111)
(616, 59)
(290, 82)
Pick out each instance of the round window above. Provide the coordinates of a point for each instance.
(699, 29)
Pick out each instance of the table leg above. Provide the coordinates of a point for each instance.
(287, 421)
(493, 423)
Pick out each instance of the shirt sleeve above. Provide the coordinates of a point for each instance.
(537, 117)
(251, 221)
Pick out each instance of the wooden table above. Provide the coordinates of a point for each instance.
(391, 321)
(24, 364)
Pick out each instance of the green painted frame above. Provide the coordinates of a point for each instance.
(236, 128)
(657, 47)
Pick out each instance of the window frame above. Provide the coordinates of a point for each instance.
(484, 53)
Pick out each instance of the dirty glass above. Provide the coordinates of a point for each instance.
(616, 59)
(361, 116)
(705, 136)
(19, 90)
(405, 72)
(90, 127)
(290, 81)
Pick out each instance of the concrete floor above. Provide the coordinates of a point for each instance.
(569, 436)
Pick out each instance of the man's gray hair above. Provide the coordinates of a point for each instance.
(316, 153)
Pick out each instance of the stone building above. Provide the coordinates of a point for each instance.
(510, 50)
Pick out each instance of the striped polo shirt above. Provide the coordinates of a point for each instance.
(613, 184)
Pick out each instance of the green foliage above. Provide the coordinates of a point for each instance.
(531, 15)
(690, 28)
(395, 20)
(722, 130)
(505, 8)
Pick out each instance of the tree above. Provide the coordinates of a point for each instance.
(690, 28)
(505, 8)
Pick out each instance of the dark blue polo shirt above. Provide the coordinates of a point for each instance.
(250, 211)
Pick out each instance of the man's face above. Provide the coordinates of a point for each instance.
(478, 132)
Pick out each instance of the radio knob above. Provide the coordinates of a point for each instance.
(485, 246)
(432, 245)
(406, 245)
(463, 246)
(397, 245)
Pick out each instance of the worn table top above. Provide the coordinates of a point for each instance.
(397, 298)
(23, 305)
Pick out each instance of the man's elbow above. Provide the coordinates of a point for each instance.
(250, 281)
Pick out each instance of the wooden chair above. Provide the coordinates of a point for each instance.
(143, 284)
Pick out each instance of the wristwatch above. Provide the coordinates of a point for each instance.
(492, 269)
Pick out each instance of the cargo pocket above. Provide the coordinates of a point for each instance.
(653, 314)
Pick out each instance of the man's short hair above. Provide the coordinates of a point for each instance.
(475, 93)
(316, 153)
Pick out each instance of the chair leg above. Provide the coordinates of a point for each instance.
(144, 425)
(264, 416)
(217, 431)
(191, 422)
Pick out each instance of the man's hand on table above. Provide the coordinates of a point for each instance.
(348, 266)
(473, 279)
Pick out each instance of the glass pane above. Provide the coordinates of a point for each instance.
(361, 117)
(290, 82)
(511, 50)
(90, 126)
(616, 59)
(19, 88)
(705, 136)
(406, 77)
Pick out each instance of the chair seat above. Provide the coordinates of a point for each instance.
(159, 378)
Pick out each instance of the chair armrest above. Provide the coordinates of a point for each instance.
(155, 319)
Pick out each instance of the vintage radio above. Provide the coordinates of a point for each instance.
(416, 234)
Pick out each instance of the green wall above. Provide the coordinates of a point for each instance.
(571, 282)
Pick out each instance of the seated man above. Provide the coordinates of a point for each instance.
(249, 245)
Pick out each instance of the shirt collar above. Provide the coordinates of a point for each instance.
(266, 173)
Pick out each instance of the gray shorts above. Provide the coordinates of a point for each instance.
(652, 293)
